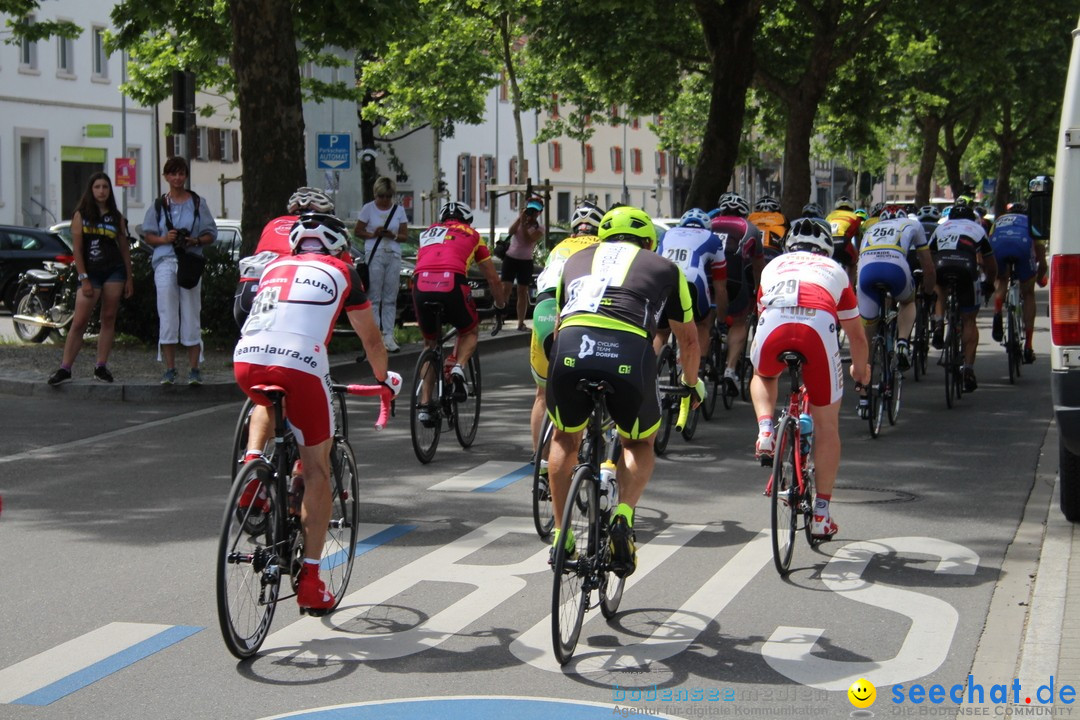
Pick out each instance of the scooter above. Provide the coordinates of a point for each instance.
(45, 301)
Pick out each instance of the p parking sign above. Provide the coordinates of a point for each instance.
(335, 151)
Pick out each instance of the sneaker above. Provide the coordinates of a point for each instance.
(102, 373)
(903, 355)
(937, 340)
(426, 418)
(623, 550)
(194, 377)
(997, 328)
(823, 528)
(457, 376)
(1029, 356)
(731, 383)
(970, 384)
(764, 445)
(311, 593)
(391, 344)
(60, 377)
(169, 377)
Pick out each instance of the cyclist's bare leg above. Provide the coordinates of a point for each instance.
(315, 512)
(763, 395)
(660, 339)
(536, 418)
(466, 345)
(905, 318)
(826, 445)
(970, 336)
(562, 457)
(635, 468)
(1027, 294)
(260, 428)
(704, 330)
(737, 334)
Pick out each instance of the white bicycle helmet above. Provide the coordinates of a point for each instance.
(308, 199)
(844, 203)
(767, 203)
(695, 217)
(327, 229)
(805, 234)
(893, 212)
(929, 212)
(812, 210)
(733, 204)
(454, 210)
(588, 215)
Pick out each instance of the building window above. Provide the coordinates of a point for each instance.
(487, 169)
(661, 164)
(635, 124)
(555, 156)
(909, 179)
(464, 180)
(635, 161)
(65, 56)
(590, 164)
(895, 179)
(135, 191)
(562, 207)
(202, 144)
(616, 159)
(101, 58)
(28, 59)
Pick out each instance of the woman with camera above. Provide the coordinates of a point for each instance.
(178, 222)
(517, 266)
(383, 226)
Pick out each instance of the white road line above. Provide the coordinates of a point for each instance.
(53, 451)
(479, 476)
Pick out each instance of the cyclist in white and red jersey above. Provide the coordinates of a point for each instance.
(283, 343)
(803, 295)
(745, 259)
(447, 249)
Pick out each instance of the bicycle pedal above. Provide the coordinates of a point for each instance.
(766, 461)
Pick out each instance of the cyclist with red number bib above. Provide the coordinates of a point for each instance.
(745, 259)
(447, 249)
(283, 343)
(803, 295)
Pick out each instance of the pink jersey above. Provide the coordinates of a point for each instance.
(275, 236)
(450, 247)
(303, 295)
(806, 280)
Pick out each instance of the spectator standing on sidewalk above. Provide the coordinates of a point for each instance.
(179, 217)
(517, 266)
(103, 261)
(384, 262)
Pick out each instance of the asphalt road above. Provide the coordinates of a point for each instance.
(111, 515)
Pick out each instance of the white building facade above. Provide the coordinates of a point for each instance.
(63, 118)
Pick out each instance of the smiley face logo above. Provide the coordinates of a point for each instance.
(861, 693)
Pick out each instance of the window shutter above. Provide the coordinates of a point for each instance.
(235, 145)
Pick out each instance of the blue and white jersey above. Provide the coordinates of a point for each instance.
(699, 253)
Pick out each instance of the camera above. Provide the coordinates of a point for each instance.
(182, 236)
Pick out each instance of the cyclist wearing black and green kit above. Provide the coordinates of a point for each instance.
(584, 223)
(610, 298)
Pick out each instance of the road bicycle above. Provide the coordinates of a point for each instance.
(920, 332)
(791, 484)
(436, 403)
(712, 371)
(243, 421)
(1013, 312)
(261, 536)
(952, 358)
(587, 515)
(886, 381)
(744, 369)
(672, 392)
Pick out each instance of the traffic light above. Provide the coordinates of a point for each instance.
(183, 118)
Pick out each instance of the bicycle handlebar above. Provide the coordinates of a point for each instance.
(385, 394)
(494, 313)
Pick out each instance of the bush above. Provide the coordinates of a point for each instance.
(138, 314)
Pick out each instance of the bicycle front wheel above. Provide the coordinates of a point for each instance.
(1013, 348)
(876, 390)
(785, 495)
(896, 389)
(467, 411)
(248, 564)
(425, 421)
(574, 570)
(711, 374)
(339, 550)
(543, 514)
(667, 374)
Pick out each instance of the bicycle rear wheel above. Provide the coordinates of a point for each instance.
(745, 371)
(425, 433)
(896, 389)
(339, 550)
(543, 514)
(785, 496)
(876, 390)
(1012, 347)
(666, 374)
(467, 412)
(947, 361)
(574, 573)
(248, 562)
(691, 424)
(240, 438)
(711, 374)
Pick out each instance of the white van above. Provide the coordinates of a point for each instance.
(1065, 289)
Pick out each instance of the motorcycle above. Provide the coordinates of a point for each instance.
(45, 301)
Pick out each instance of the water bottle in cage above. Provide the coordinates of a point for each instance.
(608, 488)
(806, 432)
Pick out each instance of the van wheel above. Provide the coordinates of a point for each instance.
(1069, 468)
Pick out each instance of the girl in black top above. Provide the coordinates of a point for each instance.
(103, 261)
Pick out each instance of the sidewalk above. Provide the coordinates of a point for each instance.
(24, 370)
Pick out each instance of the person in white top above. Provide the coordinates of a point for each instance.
(384, 262)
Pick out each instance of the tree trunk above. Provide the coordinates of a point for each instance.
(1007, 147)
(515, 94)
(952, 153)
(729, 37)
(271, 111)
(798, 131)
(930, 127)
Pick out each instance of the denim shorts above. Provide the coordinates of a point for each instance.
(98, 278)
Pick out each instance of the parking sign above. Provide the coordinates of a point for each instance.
(335, 151)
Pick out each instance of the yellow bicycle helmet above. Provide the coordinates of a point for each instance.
(627, 220)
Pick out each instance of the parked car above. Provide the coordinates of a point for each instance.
(228, 238)
(26, 248)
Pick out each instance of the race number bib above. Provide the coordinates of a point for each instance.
(679, 256)
(433, 236)
(585, 294)
(948, 242)
(782, 294)
(262, 311)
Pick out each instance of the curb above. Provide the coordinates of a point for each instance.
(25, 383)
